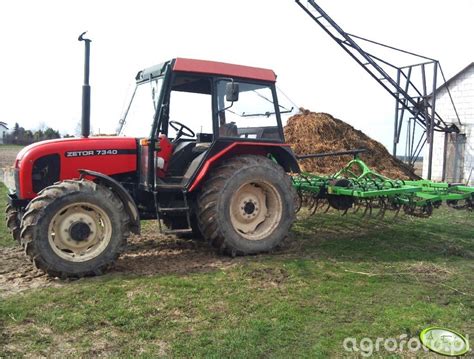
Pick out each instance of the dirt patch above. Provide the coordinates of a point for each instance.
(157, 254)
(310, 132)
(429, 271)
(269, 277)
(17, 273)
(148, 254)
(63, 345)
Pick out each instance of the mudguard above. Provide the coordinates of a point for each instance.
(221, 150)
(128, 202)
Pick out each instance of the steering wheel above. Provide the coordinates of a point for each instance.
(181, 130)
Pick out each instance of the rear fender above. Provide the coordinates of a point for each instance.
(121, 192)
(280, 152)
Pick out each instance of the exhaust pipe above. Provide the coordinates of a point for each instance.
(86, 90)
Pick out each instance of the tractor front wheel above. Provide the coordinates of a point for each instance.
(13, 219)
(246, 205)
(74, 229)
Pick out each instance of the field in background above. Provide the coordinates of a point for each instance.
(8, 154)
(335, 277)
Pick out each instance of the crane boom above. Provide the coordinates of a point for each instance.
(399, 81)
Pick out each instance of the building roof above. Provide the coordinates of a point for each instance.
(3, 124)
(447, 83)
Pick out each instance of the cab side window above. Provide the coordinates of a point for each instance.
(252, 116)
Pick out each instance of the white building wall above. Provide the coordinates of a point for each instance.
(469, 155)
(462, 91)
(3, 132)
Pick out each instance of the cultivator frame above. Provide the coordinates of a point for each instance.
(357, 186)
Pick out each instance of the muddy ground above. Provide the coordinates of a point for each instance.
(146, 255)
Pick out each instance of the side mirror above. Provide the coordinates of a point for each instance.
(232, 92)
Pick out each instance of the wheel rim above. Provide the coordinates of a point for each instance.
(79, 232)
(256, 210)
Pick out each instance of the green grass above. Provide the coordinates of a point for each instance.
(6, 239)
(11, 147)
(336, 277)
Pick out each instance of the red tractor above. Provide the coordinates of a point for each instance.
(221, 175)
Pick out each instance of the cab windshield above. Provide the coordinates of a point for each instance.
(138, 117)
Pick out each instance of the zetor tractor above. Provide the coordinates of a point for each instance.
(221, 173)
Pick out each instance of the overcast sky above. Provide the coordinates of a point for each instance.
(41, 65)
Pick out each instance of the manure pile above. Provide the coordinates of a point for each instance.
(309, 132)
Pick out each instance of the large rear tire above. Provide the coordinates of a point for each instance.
(13, 219)
(246, 206)
(74, 229)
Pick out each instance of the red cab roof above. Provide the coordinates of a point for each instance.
(223, 69)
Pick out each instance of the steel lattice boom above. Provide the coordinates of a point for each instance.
(413, 86)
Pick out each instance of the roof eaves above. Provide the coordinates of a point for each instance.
(447, 83)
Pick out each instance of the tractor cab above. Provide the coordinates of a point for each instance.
(186, 111)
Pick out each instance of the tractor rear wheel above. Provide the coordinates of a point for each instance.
(246, 205)
(13, 219)
(74, 229)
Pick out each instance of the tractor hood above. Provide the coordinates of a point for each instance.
(41, 164)
(79, 144)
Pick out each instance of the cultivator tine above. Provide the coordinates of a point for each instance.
(368, 209)
(327, 208)
(382, 208)
(408, 209)
(357, 205)
(467, 204)
(309, 200)
(426, 211)
(312, 204)
(398, 211)
(393, 206)
(423, 211)
(299, 201)
(315, 206)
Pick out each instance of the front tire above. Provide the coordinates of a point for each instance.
(74, 229)
(246, 206)
(13, 219)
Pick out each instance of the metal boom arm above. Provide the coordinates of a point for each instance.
(399, 81)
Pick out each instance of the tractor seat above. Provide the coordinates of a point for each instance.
(203, 142)
(201, 147)
(183, 155)
(183, 146)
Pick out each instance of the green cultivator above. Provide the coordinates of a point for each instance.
(357, 187)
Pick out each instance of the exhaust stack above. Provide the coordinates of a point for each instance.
(86, 90)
